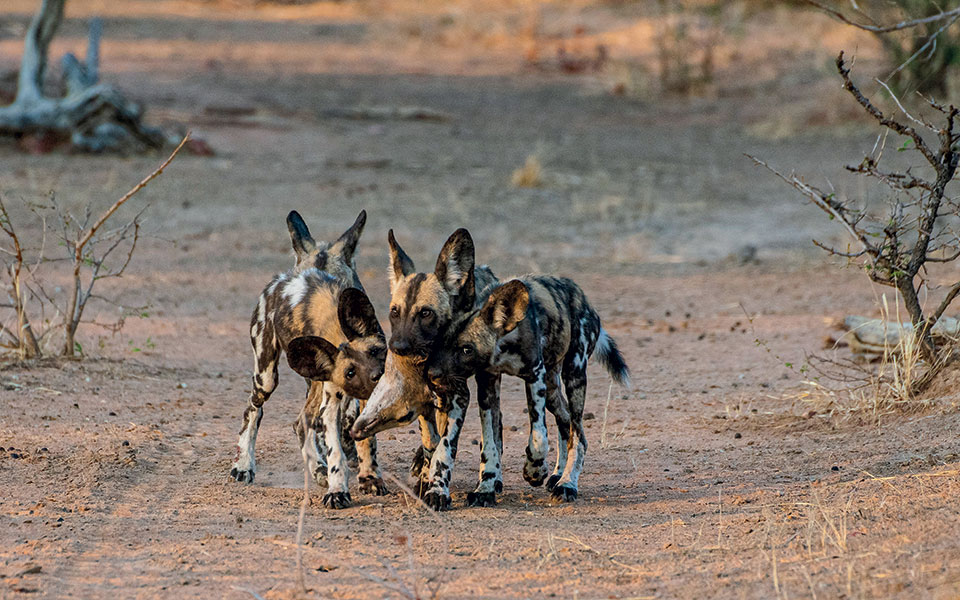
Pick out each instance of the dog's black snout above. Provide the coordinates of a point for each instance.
(400, 347)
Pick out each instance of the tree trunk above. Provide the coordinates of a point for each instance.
(28, 346)
(921, 327)
(71, 319)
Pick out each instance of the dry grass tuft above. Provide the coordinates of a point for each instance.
(900, 381)
(530, 175)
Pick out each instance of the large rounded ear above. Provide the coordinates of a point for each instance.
(356, 315)
(506, 307)
(346, 244)
(400, 263)
(455, 269)
(312, 357)
(303, 243)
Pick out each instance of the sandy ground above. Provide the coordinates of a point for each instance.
(711, 478)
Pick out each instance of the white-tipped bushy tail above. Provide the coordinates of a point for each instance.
(609, 356)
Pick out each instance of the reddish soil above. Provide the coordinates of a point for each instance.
(713, 478)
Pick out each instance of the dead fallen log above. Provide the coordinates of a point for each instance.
(876, 336)
(95, 117)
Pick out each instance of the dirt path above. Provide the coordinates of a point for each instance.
(708, 479)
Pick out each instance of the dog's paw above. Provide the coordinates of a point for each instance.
(564, 493)
(242, 475)
(552, 482)
(337, 500)
(437, 500)
(373, 485)
(534, 474)
(421, 487)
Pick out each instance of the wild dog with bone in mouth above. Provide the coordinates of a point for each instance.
(543, 330)
(319, 315)
(422, 306)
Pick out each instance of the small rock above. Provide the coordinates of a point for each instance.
(743, 255)
(181, 386)
(474, 442)
(513, 428)
(589, 416)
(125, 443)
(834, 468)
(737, 436)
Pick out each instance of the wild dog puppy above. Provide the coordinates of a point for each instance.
(318, 314)
(543, 330)
(421, 308)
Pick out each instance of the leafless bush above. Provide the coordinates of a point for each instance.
(843, 387)
(897, 248)
(95, 250)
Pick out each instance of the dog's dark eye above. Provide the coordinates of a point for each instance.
(426, 313)
(350, 373)
(394, 312)
(466, 350)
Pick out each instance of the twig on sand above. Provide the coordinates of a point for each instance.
(249, 591)
(406, 489)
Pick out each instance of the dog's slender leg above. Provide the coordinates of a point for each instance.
(557, 405)
(491, 480)
(441, 465)
(575, 383)
(538, 446)
(338, 472)
(266, 351)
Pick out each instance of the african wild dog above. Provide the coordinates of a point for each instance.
(543, 330)
(421, 308)
(319, 315)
